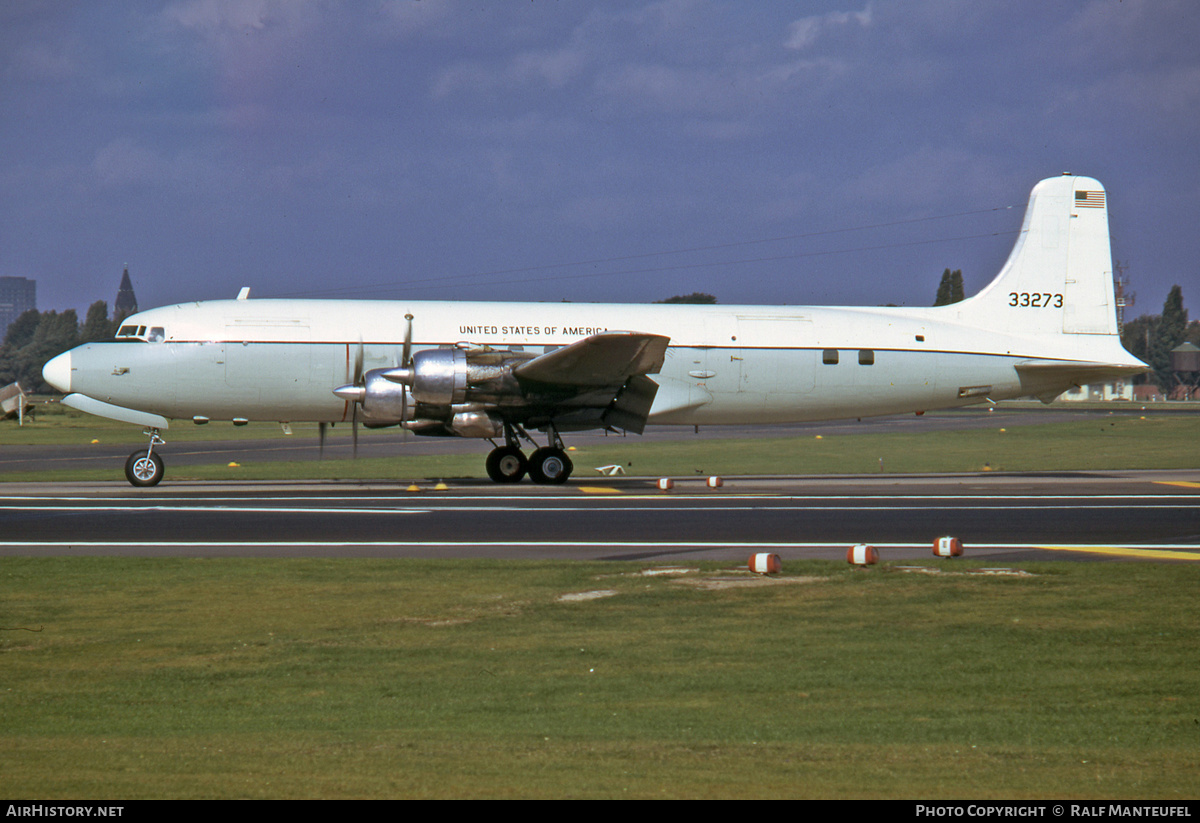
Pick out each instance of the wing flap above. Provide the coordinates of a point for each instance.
(631, 406)
(605, 359)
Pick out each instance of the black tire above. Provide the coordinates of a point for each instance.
(550, 466)
(506, 464)
(144, 468)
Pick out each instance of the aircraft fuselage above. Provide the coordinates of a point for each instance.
(282, 359)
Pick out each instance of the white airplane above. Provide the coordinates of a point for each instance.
(1046, 323)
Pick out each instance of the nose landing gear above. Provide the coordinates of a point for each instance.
(145, 468)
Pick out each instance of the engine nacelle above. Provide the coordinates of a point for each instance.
(450, 388)
(439, 377)
(383, 401)
(449, 377)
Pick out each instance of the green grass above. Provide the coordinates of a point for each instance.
(409, 678)
(1119, 442)
(1126, 439)
(1111, 443)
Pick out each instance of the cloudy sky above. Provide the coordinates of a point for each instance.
(766, 152)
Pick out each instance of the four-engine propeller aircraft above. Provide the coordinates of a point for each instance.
(1046, 323)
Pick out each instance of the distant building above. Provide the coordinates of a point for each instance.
(126, 300)
(1185, 368)
(17, 296)
(1112, 390)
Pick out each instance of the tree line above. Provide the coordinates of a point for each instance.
(1151, 338)
(35, 337)
(950, 289)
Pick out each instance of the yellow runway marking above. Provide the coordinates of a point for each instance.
(1187, 484)
(598, 490)
(1127, 551)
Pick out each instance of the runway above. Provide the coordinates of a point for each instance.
(998, 517)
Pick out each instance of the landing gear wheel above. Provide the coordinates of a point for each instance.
(550, 465)
(506, 464)
(144, 468)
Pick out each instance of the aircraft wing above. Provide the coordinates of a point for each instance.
(606, 359)
(600, 380)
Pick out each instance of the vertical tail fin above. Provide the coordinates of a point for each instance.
(1058, 278)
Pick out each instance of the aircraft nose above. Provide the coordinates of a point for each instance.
(57, 372)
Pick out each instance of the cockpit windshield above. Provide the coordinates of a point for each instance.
(152, 334)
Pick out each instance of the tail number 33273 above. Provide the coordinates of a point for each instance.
(1035, 300)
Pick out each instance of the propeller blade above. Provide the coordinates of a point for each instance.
(406, 357)
(321, 427)
(356, 392)
(403, 415)
(407, 378)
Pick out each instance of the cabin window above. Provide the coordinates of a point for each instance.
(866, 357)
(829, 357)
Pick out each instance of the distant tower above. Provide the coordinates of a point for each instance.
(1124, 297)
(17, 296)
(126, 301)
(1185, 363)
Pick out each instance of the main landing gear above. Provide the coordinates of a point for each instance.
(548, 465)
(145, 468)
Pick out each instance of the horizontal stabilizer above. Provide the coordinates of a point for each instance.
(1078, 372)
(605, 359)
(1046, 379)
